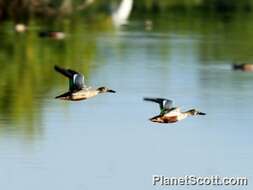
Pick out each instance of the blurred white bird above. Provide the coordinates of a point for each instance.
(120, 16)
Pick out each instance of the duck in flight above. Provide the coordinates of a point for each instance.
(77, 88)
(169, 114)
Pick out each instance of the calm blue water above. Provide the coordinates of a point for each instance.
(108, 142)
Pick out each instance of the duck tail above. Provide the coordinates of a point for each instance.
(159, 119)
(63, 96)
(154, 118)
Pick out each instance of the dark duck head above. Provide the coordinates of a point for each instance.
(195, 112)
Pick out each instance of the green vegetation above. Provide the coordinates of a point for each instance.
(27, 77)
(193, 5)
(27, 72)
(24, 9)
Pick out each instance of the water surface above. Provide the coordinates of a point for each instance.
(108, 142)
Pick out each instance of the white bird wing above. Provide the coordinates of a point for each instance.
(121, 15)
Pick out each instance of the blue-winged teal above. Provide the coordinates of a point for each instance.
(77, 88)
(243, 67)
(169, 114)
(52, 34)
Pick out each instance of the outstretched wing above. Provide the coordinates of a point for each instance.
(76, 79)
(66, 72)
(164, 104)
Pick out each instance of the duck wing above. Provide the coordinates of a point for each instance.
(165, 104)
(76, 79)
(66, 72)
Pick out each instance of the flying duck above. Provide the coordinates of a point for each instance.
(169, 114)
(77, 88)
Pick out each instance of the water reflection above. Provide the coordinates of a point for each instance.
(27, 74)
(27, 77)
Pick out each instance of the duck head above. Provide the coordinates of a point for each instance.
(105, 89)
(195, 112)
(238, 66)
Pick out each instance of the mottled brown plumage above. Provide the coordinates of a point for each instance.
(83, 94)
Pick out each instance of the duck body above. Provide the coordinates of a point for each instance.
(164, 119)
(169, 114)
(79, 95)
(172, 116)
(52, 34)
(243, 67)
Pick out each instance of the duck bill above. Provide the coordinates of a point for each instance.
(111, 91)
(201, 113)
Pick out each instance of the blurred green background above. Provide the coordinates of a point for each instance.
(20, 9)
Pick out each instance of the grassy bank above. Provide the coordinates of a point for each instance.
(23, 9)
